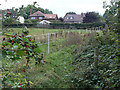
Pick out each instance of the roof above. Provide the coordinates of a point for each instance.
(50, 16)
(38, 13)
(9, 12)
(73, 18)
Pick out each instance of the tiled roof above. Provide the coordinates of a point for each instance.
(52, 16)
(38, 13)
(73, 18)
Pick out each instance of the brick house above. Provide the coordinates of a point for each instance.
(40, 16)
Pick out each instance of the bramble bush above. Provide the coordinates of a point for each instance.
(14, 47)
(106, 74)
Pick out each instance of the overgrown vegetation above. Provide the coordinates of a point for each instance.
(90, 62)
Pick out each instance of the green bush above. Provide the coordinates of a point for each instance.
(12, 80)
(106, 74)
(77, 26)
(28, 21)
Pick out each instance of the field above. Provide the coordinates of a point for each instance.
(57, 37)
(56, 69)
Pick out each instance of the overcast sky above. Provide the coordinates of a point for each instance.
(59, 7)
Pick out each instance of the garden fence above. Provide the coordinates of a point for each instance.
(47, 39)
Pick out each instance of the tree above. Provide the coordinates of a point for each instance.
(46, 11)
(70, 13)
(61, 19)
(111, 15)
(91, 17)
(31, 8)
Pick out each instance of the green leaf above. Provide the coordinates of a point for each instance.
(4, 54)
(25, 39)
(15, 47)
(10, 52)
(20, 52)
(37, 50)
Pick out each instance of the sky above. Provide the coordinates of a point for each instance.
(60, 7)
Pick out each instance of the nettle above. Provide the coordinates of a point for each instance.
(15, 46)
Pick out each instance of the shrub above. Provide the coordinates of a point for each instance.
(15, 46)
(28, 21)
(12, 80)
(106, 74)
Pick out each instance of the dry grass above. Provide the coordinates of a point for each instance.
(75, 38)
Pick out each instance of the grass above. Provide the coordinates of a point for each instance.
(57, 70)
(53, 74)
(38, 31)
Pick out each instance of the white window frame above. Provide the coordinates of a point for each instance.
(32, 17)
(40, 18)
(50, 17)
(71, 17)
(67, 17)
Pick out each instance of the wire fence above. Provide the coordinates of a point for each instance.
(60, 38)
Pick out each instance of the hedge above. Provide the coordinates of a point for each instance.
(77, 26)
(61, 25)
(19, 25)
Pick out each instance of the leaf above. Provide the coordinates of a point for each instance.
(37, 50)
(19, 46)
(20, 52)
(4, 54)
(15, 47)
(10, 52)
(25, 39)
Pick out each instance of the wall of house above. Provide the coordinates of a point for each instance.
(37, 18)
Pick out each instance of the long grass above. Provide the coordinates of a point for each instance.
(57, 69)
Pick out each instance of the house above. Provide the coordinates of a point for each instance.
(37, 16)
(50, 16)
(74, 18)
(40, 16)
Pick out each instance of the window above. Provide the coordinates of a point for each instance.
(40, 18)
(71, 17)
(32, 17)
(50, 17)
(67, 17)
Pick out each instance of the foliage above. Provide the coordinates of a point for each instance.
(91, 17)
(34, 21)
(61, 19)
(77, 26)
(15, 46)
(31, 8)
(9, 21)
(12, 80)
(28, 21)
(106, 74)
(70, 13)
(111, 15)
